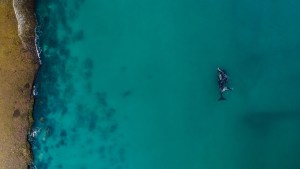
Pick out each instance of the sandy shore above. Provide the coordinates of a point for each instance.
(18, 66)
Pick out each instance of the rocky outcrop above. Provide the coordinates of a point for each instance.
(24, 10)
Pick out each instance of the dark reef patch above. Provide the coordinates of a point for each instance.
(92, 125)
(262, 122)
(42, 165)
(101, 97)
(93, 122)
(56, 88)
(46, 149)
(126, 93)
(109, 113)
(49, 131)
(63, 133)
(101, 150)
(49, 160)
(78, 36)
(89, 87)
(62, 143)
(88, 66)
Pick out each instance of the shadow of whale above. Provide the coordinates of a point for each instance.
(262, 122)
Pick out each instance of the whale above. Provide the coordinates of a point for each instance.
(223, 83)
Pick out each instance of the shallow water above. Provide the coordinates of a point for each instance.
(132, 84)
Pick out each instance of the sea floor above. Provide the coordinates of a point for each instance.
(133, 85)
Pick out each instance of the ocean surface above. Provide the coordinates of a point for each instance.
(132, 84)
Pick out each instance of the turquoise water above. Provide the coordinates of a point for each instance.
(133, 84)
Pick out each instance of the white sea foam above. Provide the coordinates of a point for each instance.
(37, 46)
(25, 26)
(34, 132)
(32, 166)
(35, 91)
(21, 18)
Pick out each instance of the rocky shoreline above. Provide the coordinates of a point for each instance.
(18, 67)
(25, 14)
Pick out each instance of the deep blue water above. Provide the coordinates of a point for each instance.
(132, 84)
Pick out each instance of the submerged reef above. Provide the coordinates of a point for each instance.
(18, 67)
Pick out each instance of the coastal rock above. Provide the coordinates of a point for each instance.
(16, 113)
(18, 64)
(26, 23)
